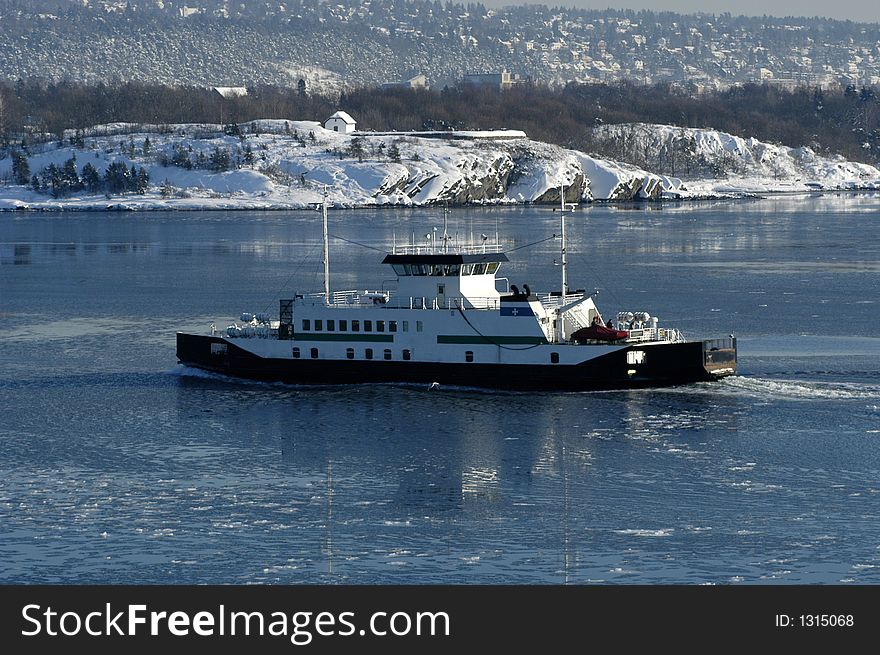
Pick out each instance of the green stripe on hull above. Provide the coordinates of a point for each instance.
(492, 341)
(318, 336)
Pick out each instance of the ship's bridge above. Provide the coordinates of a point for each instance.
(468, 276)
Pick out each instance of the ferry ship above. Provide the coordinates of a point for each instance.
(453, 320)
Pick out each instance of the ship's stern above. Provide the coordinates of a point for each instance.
(719, 357)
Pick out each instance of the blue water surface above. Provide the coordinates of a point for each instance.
(117, 465)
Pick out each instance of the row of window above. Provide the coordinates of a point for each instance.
(405, 354)
(329, 325)
(403, 270)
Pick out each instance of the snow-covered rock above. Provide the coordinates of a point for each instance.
(276, 164)
(718, 163)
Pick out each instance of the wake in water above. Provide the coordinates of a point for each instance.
(769, 388)
(739, 385)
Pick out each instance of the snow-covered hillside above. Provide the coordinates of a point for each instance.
(716, 162)
(275, 164)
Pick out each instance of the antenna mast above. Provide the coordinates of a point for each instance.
(326, 250)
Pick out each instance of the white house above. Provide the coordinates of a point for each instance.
(230, 91)
(417, 82)
(340, 122)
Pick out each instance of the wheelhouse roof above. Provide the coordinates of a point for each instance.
(446, 258)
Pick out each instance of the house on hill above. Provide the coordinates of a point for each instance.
(230, 91)
(502, 80)
(340, 122)
(416, 82)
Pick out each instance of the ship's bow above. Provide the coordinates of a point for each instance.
(202, 351)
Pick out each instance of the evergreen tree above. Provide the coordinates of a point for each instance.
(52, 180)
(142, 181)
(69, 181)
(77, 140)
(181, 157)
(147, 146)
(21, 170)
(220, 159)
(116, 177)
(394, 153)
(91, 179)
(356, 149)
(301, 86)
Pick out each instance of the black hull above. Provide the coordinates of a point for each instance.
(665, 365)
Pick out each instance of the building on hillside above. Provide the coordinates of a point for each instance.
(340, 122)
(230, 91)
(502, 80)
(416, 82)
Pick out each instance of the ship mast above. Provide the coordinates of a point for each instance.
(559, 313)
(326, 250)
(445, 229)
(564, 261)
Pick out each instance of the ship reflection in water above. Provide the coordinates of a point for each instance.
(470, 482)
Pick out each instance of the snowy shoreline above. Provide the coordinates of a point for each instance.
(276, 165)
(166, 206)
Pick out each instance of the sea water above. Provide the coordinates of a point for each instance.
(117, 465)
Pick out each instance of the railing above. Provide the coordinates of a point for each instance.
(552, 301)
(356, 299)
(440, 249)
(639, 335)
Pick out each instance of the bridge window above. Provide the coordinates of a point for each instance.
(392, 326)
(343, 326)
(387, 353)
(399, 269)
(355, 326)
(380, 326)
(418, 326)
(407, 354)
(368, 353)
(405, 326)
(491, 267)
(319, 325)
(451, 269)
(368, 326)
(314, 353)
(307, 325)
(635, 357)
(349, 353)
(468, 355)
(479, 269)
(419, 269)
(331, 325)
